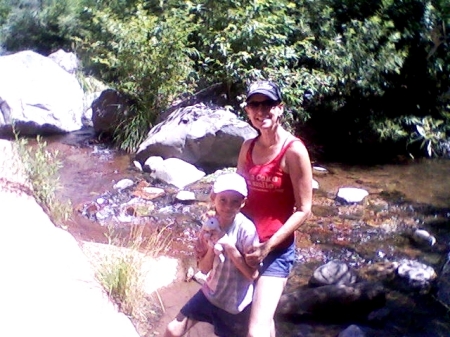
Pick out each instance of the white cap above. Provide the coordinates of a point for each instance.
(230, 182)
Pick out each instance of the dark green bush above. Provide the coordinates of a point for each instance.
(360, 72)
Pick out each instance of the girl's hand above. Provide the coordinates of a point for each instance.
(202, 244)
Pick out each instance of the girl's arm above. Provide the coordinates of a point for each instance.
(204, 253)
(205, 264)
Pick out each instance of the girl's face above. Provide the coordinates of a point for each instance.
(227, 204)
(263, 112)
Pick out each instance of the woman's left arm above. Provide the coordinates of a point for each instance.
(298, 165)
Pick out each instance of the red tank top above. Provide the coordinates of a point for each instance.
(271, 198)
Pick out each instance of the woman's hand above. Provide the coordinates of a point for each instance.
(254, 257)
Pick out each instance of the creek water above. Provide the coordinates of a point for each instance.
(402, 196)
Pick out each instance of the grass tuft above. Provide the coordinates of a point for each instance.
(121, 271)
(42, 169)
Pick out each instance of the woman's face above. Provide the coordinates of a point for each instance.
(263, 112)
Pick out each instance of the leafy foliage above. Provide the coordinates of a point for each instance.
(354, 71)
(145, 58)
(43, 26)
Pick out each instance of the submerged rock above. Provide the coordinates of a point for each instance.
(334, 301)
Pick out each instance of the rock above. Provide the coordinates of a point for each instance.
(152, 163)
(122, 184)
(333, 272)
(108, 111)
(177, 172)
(379, 271)
(351, 194)
(38, 96)
(70, 301)
(66, 60)
(208, 137)
(334, 301)
(352, 331)
(319, 170)
(422, 237)
(416, 274)
(315, 184)
(185, 196)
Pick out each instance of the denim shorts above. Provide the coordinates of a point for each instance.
(278, 263)
(198, 308)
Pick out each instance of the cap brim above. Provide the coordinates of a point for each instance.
(264, 92)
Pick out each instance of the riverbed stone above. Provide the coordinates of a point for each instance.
(351, 194)
(38, 96)
(177, 172)
(417, 275)
(206, 136)
(352, 331)
(109, 110)
(333, 272)
(423, 237)
(337, 301)
(66, 60)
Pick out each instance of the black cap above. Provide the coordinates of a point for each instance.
(267, 88)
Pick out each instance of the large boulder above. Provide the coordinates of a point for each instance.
(206, 136)
(37, 96)
(108, 111)
(66, 60)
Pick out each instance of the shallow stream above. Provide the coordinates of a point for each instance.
(403, 196)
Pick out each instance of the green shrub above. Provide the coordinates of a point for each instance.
(43, 26)
(145, 57)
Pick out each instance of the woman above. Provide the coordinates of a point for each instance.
(277, 169)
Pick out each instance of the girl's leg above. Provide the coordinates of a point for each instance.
(265, 301)
(179, 326)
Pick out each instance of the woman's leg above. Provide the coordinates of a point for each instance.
(179, 326)
(267, 294)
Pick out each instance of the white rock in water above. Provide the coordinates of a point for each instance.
(124, 183)
(137, 165)
(352, 194)
(416, 272)
(315, 185)
(320, 169)
(177, 172)
(422, 236)
(185, 196)
(152, 163)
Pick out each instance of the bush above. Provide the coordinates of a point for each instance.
(146, 58)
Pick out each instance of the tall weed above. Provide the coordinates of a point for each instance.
(121, 271)
(42, 167)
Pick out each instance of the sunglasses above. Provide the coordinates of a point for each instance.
(267, 104)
